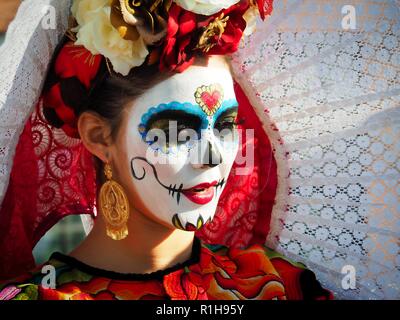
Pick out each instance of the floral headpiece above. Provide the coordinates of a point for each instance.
(124, 34)
(130, 33)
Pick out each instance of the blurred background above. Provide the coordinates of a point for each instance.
(8, 8)
(69, 232)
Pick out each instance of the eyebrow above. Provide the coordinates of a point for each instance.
(174, 115)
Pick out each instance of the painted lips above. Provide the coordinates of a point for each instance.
(201, 193)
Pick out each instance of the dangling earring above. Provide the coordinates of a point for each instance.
(114, 206)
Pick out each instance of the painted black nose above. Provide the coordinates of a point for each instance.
(214, 156)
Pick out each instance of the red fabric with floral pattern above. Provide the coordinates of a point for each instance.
(213, 272)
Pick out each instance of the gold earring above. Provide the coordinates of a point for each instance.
(114, 206)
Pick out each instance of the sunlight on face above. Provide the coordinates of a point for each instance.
(178, 145)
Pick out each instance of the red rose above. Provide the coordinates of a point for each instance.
(71, 78)
(178, 54)
(228, 42)
(189, 33)
(76, 61)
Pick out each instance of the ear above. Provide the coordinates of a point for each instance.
(95, 133)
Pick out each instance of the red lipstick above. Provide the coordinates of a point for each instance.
(201, 193)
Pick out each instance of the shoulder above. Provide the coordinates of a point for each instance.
(300, 281)
(296, 280)
(241, 273)
(255, 256)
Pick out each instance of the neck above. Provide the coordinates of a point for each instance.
(149, 247)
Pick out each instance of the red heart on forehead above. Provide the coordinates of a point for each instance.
(211, 100)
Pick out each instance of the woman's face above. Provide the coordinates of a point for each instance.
(177, 144)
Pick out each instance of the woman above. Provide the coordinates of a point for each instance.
(148, 92)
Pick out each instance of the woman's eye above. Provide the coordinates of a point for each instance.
(187, 133)
(182, 127)
(184, 134)
(228, 123)
(225, 128)
(173, 129)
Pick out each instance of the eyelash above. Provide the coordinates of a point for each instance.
(230, 124)
(223, 125)
(180, 128)
(226, 125)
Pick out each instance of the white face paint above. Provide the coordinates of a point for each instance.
(175, 180)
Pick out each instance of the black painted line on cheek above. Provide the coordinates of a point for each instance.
(179, 191)
(171, 190)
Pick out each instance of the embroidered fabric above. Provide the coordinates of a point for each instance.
(328, 98)
(45, 175)
(26, 53)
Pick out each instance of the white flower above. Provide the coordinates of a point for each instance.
(85, 10)
(205, 7)
(96, 33)
(251, 16)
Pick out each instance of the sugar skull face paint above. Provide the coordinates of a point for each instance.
(174, 126)
(182, 187)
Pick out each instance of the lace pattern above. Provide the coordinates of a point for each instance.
(333, 94)
(26, 53)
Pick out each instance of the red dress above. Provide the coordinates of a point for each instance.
(213, 272)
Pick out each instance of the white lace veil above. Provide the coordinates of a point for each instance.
(25, 57)
(328, 99)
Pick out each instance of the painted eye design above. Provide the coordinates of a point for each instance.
(226, 124)
(171, 129)
(185, 133)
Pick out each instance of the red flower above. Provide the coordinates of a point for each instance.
(76, 61)
(72, 75)
(178, 54)
(228, 42)
(189, 34)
